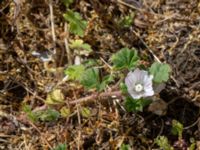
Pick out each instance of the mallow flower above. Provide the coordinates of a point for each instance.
(139, 84)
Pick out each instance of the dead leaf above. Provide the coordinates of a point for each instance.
(158, 107)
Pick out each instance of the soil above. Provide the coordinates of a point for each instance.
(162, 29)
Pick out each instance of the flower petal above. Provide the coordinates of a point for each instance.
(139, 77)
(148, 92)
(148, 82)
(131, 78)
(136, 96)
(140, 74)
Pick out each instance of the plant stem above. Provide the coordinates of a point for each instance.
(97, 95)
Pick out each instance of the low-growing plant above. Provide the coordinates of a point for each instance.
(126, 21)
(41, 115)
(60, 147)
(125, 147)
(138, 85)
(163, 143)
(177, 130)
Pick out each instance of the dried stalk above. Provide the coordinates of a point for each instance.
(67, 45)
(52, 25)
(95, 96)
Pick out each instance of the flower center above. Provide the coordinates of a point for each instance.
(138, 87)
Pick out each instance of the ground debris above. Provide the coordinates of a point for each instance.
(30, 70)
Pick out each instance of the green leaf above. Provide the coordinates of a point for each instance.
(67, 3)
(85, 112)
(76, 24)
(193, 144)
(127, 21)
(133, 105)
(160, 72)
(163, 143)
(80, 45)
(177, 128)
(43, 115)
(123, 87)
(90, 78)
(55, 97)
(75, 72)
(31, 115)
(65, 112)
(48, 115)
(125, 59)
(105, 81)
(90, 63)
(61, 147)
(125, 147)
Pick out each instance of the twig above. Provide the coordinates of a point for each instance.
(25, 143)
(192, 125)
(131, 6)
(52, 25)
(109, 66)
(79, 122)
(28, 90)
(8, 3)
(45, 140)
(138, 9)
(149, 49)
(67, 45)
(16, 10)
(96, 95)
(25, 63)
(155, 57)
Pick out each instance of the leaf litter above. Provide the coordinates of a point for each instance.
(164, 30)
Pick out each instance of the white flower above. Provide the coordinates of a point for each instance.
(139, 84)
